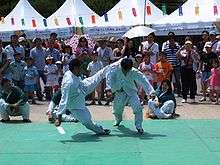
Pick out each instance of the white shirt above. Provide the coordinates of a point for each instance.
(94, 67)
(154, 47)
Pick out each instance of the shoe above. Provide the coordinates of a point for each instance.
(140, 131)
(92, 103)
(99, 103)
(26, 120)
(33, 102)
(5, 121)
(107, 103)
(193, 101)
(116, 124)
(202, 99)
(184, 101)
(105, 132)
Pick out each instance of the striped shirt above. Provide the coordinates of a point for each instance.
(171, 53)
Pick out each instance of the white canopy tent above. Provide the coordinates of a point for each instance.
(22, 17)
(192, 17)
(73, 13)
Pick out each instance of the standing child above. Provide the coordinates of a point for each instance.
(67, 56)
(94, 66)
(215, 81)
(163, 68)
(147, 68)
(60, 72)
(51, 72)
(30, 79)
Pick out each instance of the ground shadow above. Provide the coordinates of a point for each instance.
(127, 132)
(83, 137)
(15, 122)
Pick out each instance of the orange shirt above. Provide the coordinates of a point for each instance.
(163, 70)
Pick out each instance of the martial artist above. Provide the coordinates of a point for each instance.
(74, 91)
(122, 81)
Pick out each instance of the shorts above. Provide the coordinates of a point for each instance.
(30, 88)
(205, 76)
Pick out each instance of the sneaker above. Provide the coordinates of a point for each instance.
(107, 103)
(202, 99)
(140, 130)
(116, 124)
(106, 132)
(99, 103)
(92, 103)
(5, 120)
(26, 120)
(193, 101)
(33, 102)
(184, 101)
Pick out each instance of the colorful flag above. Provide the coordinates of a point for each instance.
(68, 21)
(45, 22)
(93, 19)
(180, 10)
(3, 19)
(22, 22)
(148, 8)
(215, 7)
(12, 21)
(106, 17)
(134, 12)
(34, 23)
(197, 10)
(120, 15)
(164, 9)
(56, 22)
(81, 20)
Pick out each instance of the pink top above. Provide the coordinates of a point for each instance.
(147, 70)
(215, 77)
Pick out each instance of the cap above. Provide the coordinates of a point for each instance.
(58, 62)
(20, 39)
(208, 45)
(139, 55)
(188, 42)
(212, 33)
(49, 58)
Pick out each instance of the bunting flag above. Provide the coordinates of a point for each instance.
(12, 21)
(148, 8)
(3, 19)
(34, 23)
(81, 20)
(180, 10)
(120, 15)
(93, 19)
(164, 9)
(68, 21)
(22, 22)
(45, 22)
(106, 17)
(197, 10)
(134, 12)
(215, 7)
(56, 22)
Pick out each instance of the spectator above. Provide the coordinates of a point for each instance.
(163, 68)
(53, 52)
(206, 64)
(137, 61)
(163, 106)
(129, 49)
(201, 44)
(30, 79)
(67, 56)
(215, 81)
(83, 46)
(16, 69)
(13, 102)
(38, 53)
(214, 41)
(60, 72)
(189, 59)
(150, 47)
(93, 68)
(26, 45)
(53, 40)
(4, 61)
(117, 52)
(51, 72)
(105, 54)
(14, 47)
(170, 47)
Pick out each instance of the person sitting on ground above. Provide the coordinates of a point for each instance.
(164, 104)
(53, 107)
(13, 102)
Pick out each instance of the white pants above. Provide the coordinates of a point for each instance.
(5, 111)
(120, 100)
(84, 117)
(163, 112)
(53, 110)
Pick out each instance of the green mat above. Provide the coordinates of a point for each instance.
(171, 142)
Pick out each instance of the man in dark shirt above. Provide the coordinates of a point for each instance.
(206, 64)
(13, 102)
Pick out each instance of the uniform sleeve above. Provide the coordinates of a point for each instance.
(64, 98)
(110, 79)
(141, 79)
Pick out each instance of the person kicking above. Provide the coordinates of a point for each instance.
(74, 91)
(122, 81)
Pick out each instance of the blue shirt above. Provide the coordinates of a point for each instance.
(53, 53)
(17, 70)
(39, 56)
(30, 75)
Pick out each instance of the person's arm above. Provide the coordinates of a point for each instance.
(5, 66)
(141, 79)
(178, 53)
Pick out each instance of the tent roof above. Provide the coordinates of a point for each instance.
(205, 12)
(128, 8)
(23, 10)
(72, 13)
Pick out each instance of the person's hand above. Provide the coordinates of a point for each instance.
(57, 122)
(109, 93)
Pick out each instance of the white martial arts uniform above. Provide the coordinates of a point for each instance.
(125, 91)
(74, 91)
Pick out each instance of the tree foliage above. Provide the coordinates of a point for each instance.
(48, 7)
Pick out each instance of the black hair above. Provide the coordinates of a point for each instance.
(53, 34)
(169, 85)
(162, 53)
(65, 47)
(37, 39)
(171, 34)
(14, 35)
(28, 58)
(81, 39)
(4, 80)
(120, 40)
(126, 64)
(152, 34)
(205, 31)
(74, 63)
